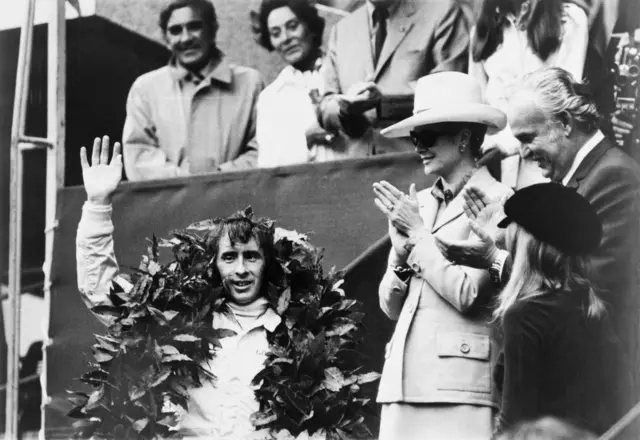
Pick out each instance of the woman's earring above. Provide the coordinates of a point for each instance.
(462, 148)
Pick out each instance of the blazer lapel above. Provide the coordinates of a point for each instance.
(399, 25)
(428, 208)
(588, 163)
(455, 208)
(360, 36)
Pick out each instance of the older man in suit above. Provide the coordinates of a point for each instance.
(375, 55)
(556, 120)
(436, 382)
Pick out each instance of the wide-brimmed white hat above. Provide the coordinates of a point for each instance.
(447, 97)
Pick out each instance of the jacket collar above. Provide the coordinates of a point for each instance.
(588, 163)
(455, 208)
(400, 23)
(218, 70)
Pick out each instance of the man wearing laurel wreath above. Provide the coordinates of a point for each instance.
(220, 409)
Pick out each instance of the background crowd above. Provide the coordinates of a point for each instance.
(201, 113)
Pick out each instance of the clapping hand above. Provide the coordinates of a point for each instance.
(403, 213)
(475, 200)
(101, 177)
(484, 216)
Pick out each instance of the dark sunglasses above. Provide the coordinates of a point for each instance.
(426, 138)
(192, 26)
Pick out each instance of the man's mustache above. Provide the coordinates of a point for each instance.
(188, 46)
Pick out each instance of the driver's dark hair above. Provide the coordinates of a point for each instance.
(241, 227)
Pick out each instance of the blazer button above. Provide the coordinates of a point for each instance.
(415, 267)
(464, 348)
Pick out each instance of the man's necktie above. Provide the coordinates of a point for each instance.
(380, 16)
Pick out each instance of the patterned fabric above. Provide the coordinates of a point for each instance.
(443, 192)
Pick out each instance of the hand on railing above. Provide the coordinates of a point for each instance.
(101, 177)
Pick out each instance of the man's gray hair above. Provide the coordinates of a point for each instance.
(559, 94)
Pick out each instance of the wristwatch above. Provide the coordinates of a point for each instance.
(402, 271)
(495, 271)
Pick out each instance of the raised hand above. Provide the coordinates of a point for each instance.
(101, 177)
(478, 252)
(403, 211)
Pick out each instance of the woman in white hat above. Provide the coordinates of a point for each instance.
(437, 378)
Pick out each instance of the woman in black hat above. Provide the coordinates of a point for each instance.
(548, 310)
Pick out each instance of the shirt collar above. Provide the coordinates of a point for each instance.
(218, 69)
(443, 192)
(582, 153)
(226, 319)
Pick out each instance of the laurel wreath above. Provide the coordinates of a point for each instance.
(161, 336)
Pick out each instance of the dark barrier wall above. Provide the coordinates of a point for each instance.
(332, 201)
(103, 60)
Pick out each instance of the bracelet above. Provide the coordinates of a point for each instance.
(402, 271)
(495, 271)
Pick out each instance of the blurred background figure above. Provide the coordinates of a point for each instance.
(547, 428)
(374, 57)
(197, 114)
(287, 129)
(30, 396)
(626, 69)
(512, 38)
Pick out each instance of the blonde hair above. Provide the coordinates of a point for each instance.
(541, 269)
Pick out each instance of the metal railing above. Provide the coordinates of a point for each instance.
(20, 142)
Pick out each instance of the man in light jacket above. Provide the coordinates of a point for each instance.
(197, 114)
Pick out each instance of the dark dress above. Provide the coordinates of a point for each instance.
(550, 362)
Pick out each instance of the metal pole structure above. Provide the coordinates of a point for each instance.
(15, 220)
(56, 113)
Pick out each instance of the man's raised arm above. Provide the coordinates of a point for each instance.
(97, 267)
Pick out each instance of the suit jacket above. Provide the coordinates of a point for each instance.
(443, 348)
(423, 36)
(610, 180)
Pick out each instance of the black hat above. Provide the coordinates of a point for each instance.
(557, 215)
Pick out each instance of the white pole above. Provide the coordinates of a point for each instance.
(15, 220)
(56, 109)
